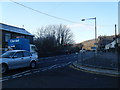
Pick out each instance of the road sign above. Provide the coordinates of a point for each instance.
(93, 48)
(95, 43)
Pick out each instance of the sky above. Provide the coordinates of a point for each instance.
(119, 17)
(106, 14)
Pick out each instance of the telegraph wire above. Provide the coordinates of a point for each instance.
(54, 16)
(44, 13)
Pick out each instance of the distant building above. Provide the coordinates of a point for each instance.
(112, 44)
(104, 40)
(9, 32)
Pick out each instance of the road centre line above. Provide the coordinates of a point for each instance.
(4, 80)
(59, 66)
(44, 70)
(6, 77)
(56, 60)
(36, 71)
(52, 66)
(33, 71)
(17, 76)
(27, 73)
(22, 72)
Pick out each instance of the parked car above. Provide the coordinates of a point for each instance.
(17, 59)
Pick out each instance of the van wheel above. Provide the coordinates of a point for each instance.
(4, 68)
(33, 64)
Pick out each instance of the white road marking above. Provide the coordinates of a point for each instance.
(27, 73)
(56, 60)
(69, 63)
(59, 66)
(17, 76)
(36, 71)
(6, 77)
(3, 80)
(52, 66)
(22, 72)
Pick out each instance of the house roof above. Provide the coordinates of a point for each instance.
(14, 29)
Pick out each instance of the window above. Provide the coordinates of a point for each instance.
(33, 48)
(8, 54)
(19, 54)
(26, 54)
(7, 37)
(20, 36)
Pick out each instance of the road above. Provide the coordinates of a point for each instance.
(57, 72)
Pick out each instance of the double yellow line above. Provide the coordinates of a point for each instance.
(71, 66)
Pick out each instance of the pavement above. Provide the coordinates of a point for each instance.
(97, 70)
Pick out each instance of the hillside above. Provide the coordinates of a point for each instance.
(101, 40)
(88, 44)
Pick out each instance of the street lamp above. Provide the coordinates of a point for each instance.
(95, 28)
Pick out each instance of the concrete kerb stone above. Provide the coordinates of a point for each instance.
(97, 70)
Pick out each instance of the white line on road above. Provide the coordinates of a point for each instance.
(52, 66)
(3, 80)
(17, 76)
(36, 71)
(27, 73)
(6, 77)
(22, 72)
(56, 60)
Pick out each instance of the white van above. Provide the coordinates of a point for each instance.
(33, 50)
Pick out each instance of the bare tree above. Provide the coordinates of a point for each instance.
(52, 37)
(63, 35)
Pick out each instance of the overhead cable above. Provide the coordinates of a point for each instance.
(44, 13)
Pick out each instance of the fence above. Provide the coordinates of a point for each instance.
(106, 60)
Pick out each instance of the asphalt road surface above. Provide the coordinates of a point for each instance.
(56, 72)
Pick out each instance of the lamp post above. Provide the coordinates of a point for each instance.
(95, 28)
(117, 49)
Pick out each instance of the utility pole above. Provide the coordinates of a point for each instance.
(116, 49)
(115, 40)
(96, 43)
(96, 37)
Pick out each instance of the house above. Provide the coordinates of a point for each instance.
(112, 44)
(104, 40)
(9, 32)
